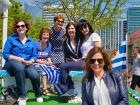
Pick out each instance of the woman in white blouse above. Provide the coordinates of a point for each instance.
(102, 86)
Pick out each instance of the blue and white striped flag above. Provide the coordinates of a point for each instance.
(119, 63)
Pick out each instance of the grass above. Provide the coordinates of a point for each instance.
(133, 101)
(55, 100)
(52, 100)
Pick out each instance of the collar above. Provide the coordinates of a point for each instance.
(16, 36)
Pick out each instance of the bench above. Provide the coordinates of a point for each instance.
(5, 75)
(7, 80)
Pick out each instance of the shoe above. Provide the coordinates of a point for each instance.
(70, 92)
(21, 101)
(76, 99)
(39, 99)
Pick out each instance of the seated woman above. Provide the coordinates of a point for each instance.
(101, 86)
(44, 51)
(20, 53)
(72, 52)
(88, 40)
(44, 62)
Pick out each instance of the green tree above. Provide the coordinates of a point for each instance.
(36, 26)
(98, 12)
(15, 13)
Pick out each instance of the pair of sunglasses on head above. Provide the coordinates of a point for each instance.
(100, 61)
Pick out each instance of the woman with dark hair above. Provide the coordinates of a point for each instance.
(72, 52)
(20, 53)
(101, 86)
(88, 41)
(72, 43)
(89, 38)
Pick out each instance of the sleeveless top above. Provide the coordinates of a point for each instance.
(56, 41)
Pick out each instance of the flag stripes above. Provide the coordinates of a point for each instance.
(119, 62)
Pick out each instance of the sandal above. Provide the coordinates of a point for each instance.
(52, 89)
(46, 92)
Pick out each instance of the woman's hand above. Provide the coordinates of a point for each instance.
(29, 62)
(20, 59)
(49, 63)
(41, 61)
(75, 60)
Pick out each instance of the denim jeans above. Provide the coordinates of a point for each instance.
(21, 71)
(66, 82)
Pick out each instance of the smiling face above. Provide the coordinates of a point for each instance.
(71, 31)
(58, 23)
(97, 63)
(85, 30)
(21, 28)
(45, 36)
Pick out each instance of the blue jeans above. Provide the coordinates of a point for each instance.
(21, 71)
(66, 82)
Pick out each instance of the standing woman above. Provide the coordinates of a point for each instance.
(101, 86)
(20, 53)
(57, 39)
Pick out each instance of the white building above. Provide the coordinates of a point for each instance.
(112, 35)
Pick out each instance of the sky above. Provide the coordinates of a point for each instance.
(37, 11)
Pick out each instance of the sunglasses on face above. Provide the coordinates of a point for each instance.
(100, 61)
(18, 26)
(60, 21)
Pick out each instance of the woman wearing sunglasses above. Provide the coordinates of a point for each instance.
(101, 86)
(20, 53)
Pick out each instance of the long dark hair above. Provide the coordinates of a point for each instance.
(82, 23)
(67, 26)
(91, 53)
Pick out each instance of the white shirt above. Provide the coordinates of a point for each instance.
(88, 44)
(101, 93)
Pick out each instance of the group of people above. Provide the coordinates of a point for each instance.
(77, 48)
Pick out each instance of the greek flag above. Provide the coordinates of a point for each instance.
(119, 63)
(51, 73)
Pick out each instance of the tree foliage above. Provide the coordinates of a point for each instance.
(17, 13)
(98, 12)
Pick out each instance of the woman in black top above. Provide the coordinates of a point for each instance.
(72, 52)
(72, 43)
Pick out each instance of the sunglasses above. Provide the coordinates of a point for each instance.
(60, 21)
(100, 61)
(18, 26)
